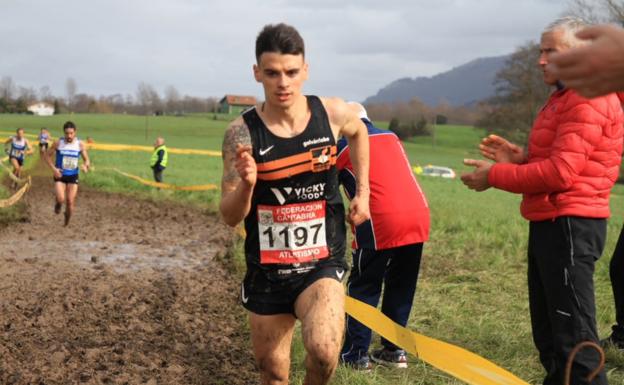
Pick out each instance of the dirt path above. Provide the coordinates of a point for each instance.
(129, 293)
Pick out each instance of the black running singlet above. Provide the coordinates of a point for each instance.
(297, 217)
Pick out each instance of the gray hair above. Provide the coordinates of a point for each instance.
(569, 25)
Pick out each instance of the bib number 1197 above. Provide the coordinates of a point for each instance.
(292, 233)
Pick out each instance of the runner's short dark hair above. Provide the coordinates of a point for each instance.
(69, 124)
(280, 38)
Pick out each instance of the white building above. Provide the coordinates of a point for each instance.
(41, 109)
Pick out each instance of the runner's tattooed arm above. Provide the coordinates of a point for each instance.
(239, 173)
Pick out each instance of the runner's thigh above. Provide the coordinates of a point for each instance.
(72, 190)
(271, 336)
(320, 307)
(60, 190)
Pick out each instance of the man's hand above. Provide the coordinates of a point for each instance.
(57, 173)
(86, 167)
(246, 165)
(359, 210)
(478, 179)
(594, 69)
(501, 150)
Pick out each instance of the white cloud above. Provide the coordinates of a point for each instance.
(206, 48)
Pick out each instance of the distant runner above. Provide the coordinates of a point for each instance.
(17, 147)
(68, 151)
(44, 137)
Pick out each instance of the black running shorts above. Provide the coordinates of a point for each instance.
(20, 161)
(67, 179)
(263, 296)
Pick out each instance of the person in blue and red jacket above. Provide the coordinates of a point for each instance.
(565, 180)
(387, 248)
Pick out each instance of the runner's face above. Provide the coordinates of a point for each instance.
(282, 77)
(19, 134)
(70, 134)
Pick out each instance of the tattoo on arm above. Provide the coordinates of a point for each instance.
(237, 132)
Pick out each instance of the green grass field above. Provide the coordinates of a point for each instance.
(472, 291)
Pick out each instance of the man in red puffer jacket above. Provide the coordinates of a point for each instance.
(572, 163)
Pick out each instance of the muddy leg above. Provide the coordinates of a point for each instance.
(271, 336)
(321, 310)
(71, 192)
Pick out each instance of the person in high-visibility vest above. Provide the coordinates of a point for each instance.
(158, 162)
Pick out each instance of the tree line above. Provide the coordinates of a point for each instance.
(145, 101)
(520, 93)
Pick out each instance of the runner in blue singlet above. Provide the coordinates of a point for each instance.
(68, 151)
(17, 147)
(44, 138)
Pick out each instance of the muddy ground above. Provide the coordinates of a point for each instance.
(131, 292)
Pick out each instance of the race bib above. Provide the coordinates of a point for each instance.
(292, 233)
(15, 153)
(70, 163)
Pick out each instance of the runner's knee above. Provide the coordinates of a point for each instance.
(324, 356)
(274, 369)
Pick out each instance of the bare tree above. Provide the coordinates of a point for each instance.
(45, 94)
(212, 104)
(172, 100)
(520, 92)
(148, 98)
(70, 90)
(598, 11)
(27, 95)
(7, 88)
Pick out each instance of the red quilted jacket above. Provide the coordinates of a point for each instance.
(574, 154)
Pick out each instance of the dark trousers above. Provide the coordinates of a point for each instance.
(397, 269)
(561, 258)
(158, 174)
(616, 271)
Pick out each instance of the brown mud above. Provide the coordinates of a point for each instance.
(131, 292)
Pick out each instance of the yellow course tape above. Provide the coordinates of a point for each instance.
(458, 362)
(166, 186)
(129, 147)
(10, 173)
(132, 147)
(11, 133)
(17, 196)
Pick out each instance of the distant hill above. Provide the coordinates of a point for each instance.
(463, 85)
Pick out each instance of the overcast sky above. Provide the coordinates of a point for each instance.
(206, 48)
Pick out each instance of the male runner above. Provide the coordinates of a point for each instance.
(44, 137)
(17, 147)
(279, 175)
(68, 150)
